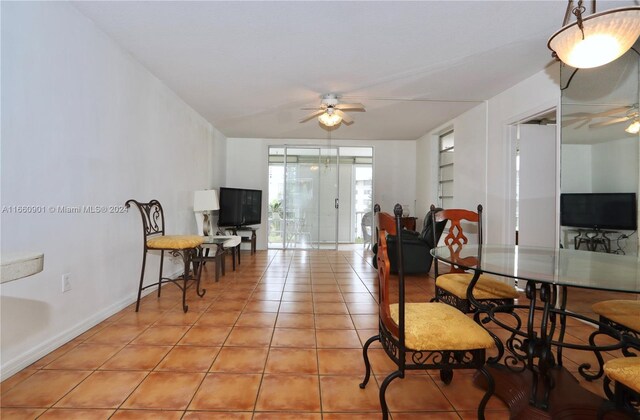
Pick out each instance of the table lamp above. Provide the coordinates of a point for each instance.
(204, 202)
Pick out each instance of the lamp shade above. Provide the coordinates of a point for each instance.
(633, 128)
(607, 36)
(205, 200)
(330, 119)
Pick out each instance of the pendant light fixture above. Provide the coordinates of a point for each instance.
(596, 39)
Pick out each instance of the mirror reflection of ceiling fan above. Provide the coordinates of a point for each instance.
(331, 111)
(618, 115)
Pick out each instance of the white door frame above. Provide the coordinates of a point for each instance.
(510, 138)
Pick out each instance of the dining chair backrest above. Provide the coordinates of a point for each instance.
(456, 237)
(152, 217)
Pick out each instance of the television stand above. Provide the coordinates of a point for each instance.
(249, 239)
(593, 238)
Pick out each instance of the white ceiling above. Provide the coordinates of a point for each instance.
(248, 67)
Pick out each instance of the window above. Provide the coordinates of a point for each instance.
(445, 170)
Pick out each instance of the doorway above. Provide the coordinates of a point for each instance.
(534, 156)
(318, 195)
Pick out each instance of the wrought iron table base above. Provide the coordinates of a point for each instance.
(568, 400)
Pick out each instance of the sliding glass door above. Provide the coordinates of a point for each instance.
(320, 196)
(303, 192)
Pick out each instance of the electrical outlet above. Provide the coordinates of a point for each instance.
(66, 282)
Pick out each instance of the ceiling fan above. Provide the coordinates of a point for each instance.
(331, 111)
(630, 115)
(613, 116)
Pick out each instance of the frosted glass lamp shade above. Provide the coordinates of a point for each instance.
(633, 128)
(205, 200)
(330, 119)
(607, 36)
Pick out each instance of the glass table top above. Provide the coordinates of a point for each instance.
(216, 239)
(563, 267)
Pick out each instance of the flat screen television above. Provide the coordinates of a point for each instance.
(239, 207)
(599, 210)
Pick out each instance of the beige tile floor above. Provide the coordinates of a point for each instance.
(279, 338)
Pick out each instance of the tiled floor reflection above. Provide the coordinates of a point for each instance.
(279, 338)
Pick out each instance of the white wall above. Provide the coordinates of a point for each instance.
(83, 123)
(601, 167)
(576, 172)
(612, 164)
(394, 170)
(426, 173)
(470, 177)
(482, 152)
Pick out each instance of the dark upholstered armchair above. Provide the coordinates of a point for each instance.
(416, 246)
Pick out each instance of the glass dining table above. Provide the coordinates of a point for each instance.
(528, 368)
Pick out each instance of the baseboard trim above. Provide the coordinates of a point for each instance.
(16, 364)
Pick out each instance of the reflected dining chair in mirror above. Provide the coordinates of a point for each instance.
(423, 335)
(366, 225)
(154, 239)
(451, 288)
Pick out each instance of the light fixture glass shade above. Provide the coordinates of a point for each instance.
(330, 119)
(607, 36)
(205, 200)
(634, 127)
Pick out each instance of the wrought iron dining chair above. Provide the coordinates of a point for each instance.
(423, 336)
(154, 238)
(624, 372)
(451, 288)
(620, 315)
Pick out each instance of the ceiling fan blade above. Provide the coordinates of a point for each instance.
(610, 122)
(313, 114)
(566, 123)
(350, 106)
(347, 119)
(600, 114)
(578, 114)
(582, 124)
(614, 111)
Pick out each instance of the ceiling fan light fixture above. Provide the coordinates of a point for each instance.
(597, 39)
(634, 127)
(330, 119)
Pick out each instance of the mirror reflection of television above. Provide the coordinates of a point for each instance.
(239, 207)
(599, 211)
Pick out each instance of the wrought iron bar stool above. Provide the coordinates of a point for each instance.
(427, 335)
(185, 246)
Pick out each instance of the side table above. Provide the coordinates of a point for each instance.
(249, 239)
(222, 244)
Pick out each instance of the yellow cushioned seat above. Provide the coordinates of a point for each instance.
(625, 370)
(623, 312)
(175, 242)
(438, 326)
(487, 287)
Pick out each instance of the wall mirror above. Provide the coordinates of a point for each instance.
(599, 156)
